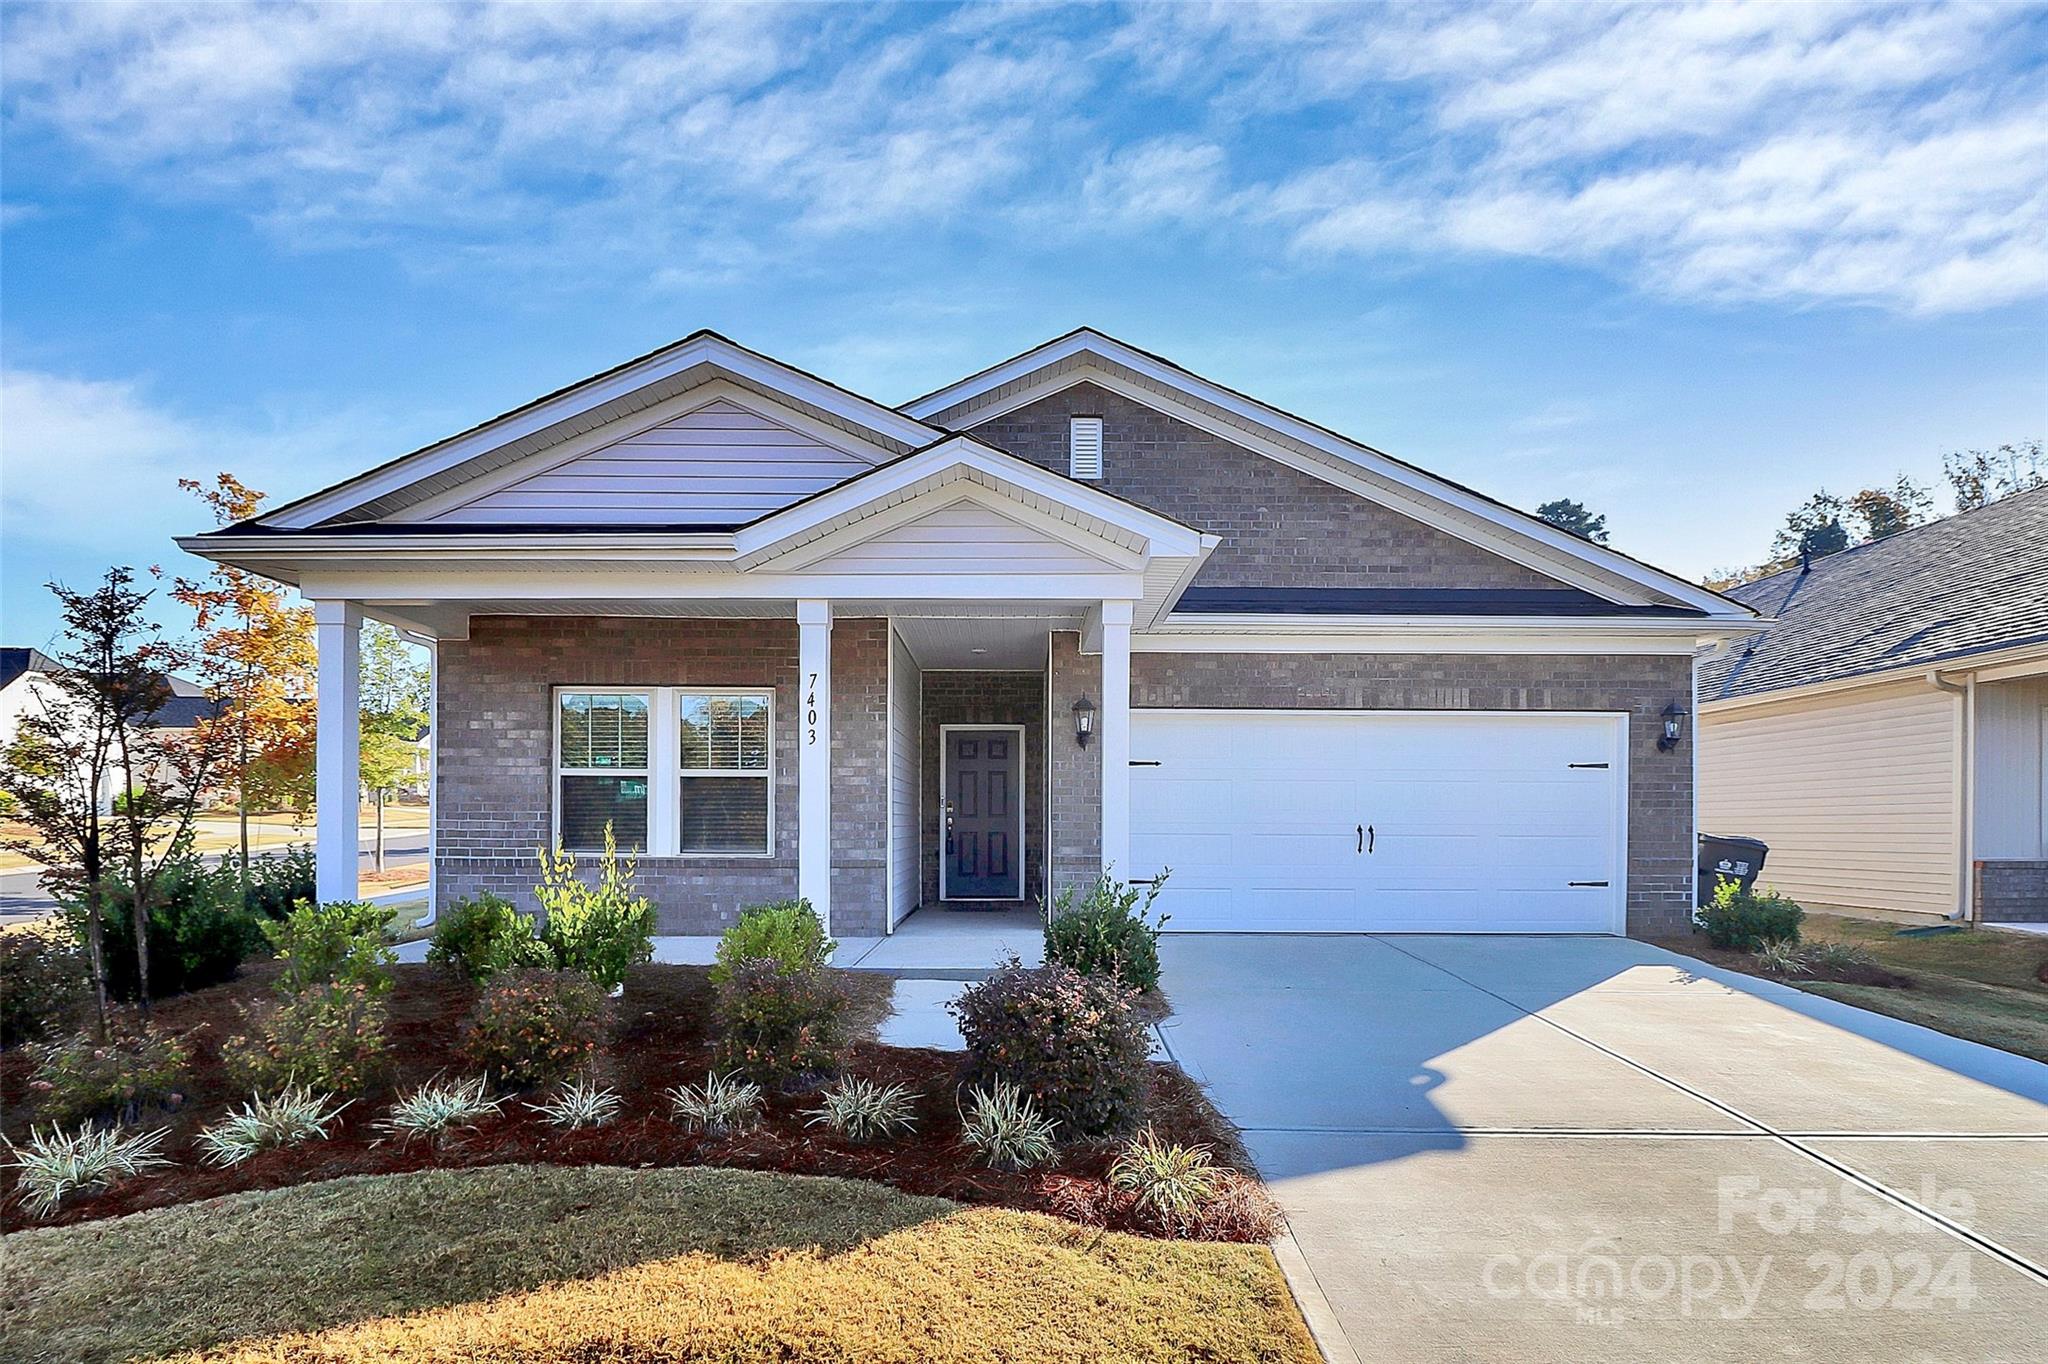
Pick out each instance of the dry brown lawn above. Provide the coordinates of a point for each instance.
(536, 1263)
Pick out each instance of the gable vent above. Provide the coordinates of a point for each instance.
(1084, 447)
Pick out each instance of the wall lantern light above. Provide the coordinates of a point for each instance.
(1084, 721)
(1674, 727)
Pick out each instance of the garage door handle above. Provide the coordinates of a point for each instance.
(1585, 883)
(1366, 838)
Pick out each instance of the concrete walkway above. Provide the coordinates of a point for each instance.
(1592, 1149)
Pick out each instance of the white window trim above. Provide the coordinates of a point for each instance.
(664, 775)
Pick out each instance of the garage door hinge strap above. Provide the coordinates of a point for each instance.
(1144, 762)
(1585, 764)
(1585, 883)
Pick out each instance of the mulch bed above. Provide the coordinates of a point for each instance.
(660, 1039)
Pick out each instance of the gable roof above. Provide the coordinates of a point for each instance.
(15, 662)
(1085, 354)
(601, 399)
(1970, 584)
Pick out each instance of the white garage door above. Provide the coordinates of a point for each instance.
(1381, 822)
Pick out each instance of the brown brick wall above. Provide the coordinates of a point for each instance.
(1280, 527)
(987, 698)
(860, 778)
(1075, 830)
(494, 726)
(1660, 843)
(2011, 891)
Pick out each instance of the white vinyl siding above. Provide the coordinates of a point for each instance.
(2012, 746)
(906, 775)
(963, 536)
(1854, 793)
(717, 465)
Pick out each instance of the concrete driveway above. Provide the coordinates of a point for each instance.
(1592, 1149)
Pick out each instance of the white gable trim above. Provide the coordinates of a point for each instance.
(1101, 514)
(1346, 464)
(1108, 554)
(591, 442)
(535, 417)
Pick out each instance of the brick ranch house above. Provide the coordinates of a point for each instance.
(1082, 609)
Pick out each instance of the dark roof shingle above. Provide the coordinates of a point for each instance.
(1968, 584)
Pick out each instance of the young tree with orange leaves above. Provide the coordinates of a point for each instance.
(258, 658)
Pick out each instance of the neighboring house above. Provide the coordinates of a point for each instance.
(24, 685)
(1082, 609)
(1889, 737)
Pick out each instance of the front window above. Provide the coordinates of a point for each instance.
(722, 796)
(711, 795)
(602, 773)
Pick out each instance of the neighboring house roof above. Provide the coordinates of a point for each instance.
(15, 662)
(1970, 584)
(188, 704)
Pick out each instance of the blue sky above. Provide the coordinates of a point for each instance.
(1684, 263)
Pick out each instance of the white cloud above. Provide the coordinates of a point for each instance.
(1887, 153)
(94, 464)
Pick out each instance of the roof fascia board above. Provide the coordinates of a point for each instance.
(716, 350)
(1418, 641)
(1167, 536)
(1233, 622)
(1114, 556)
(452, 587)
(1346, 451)
(1988, 665)
(589, 442)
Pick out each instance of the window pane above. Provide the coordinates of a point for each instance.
(724, 815)
(604, 731)
(725, 732)
(588, 802)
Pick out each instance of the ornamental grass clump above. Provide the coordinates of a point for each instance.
(723, 1104)
(1002, 1124)
(530, 1028)
(1169, 1183)
(1783, 959)
(439, 1109)
(56, 1164)
(579, 1104)
(864, 1111)
(1073, 1044)
(267, 1121)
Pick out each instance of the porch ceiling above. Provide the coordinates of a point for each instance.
(1002, 644)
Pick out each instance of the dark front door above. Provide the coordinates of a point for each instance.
(983, 809)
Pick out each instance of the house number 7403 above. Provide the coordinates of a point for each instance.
(811, 711)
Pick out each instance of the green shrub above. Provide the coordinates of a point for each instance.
(1744, 922)
(482, 937)
(326, 1037)
(199, 933)
(781, 1027)
(1110, 933)
(340, 943)
(1072, 1043)
(532, 1028)
(45, 983)
(275, 882)
(788, 933)
(602, 930)
(115, 1081)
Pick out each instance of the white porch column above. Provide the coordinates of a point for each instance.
(1116, 736)
(337, 756)
(814, 756)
